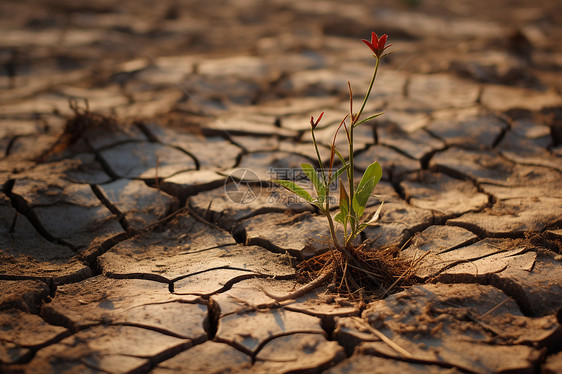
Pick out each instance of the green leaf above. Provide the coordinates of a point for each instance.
(371, 222)
(366, 186)
(315, 179)
(342, 159)
(360, 228)
(361, 196)
(295, 188)
(339, 218)
(368, 119)
(338, 173)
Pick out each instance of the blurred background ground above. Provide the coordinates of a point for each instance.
(522, 39)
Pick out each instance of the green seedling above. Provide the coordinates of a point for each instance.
(350, 217)
(353, 198)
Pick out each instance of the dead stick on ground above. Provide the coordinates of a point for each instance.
(384, 338)
(496, 307)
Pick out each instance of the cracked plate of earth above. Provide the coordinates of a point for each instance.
(138, 230)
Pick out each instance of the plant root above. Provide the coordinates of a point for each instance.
(319, 281)
(355, 273)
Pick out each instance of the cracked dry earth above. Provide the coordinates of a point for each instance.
(125, 246)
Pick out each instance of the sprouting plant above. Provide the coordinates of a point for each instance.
(352, 201)
(353, 198)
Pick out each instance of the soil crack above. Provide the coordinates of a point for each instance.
(22, 207)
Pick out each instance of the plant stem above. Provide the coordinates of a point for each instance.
(326, 197)
(350, 171)
(332, 229)
(368, 93)
(318, 156)
(350, 177)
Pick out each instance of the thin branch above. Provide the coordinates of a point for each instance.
(384, 338)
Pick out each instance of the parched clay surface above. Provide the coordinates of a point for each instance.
(139, 232)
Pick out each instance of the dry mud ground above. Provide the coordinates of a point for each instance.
(135, 235)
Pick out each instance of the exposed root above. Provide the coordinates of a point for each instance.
(354, 272)
(373, 273)
(319, 281)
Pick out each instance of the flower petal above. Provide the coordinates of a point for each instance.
(374, 39)
(370, 45)
(315, 123)
(382, 41)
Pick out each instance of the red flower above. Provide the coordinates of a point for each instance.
(376, 44)
(314, 124)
